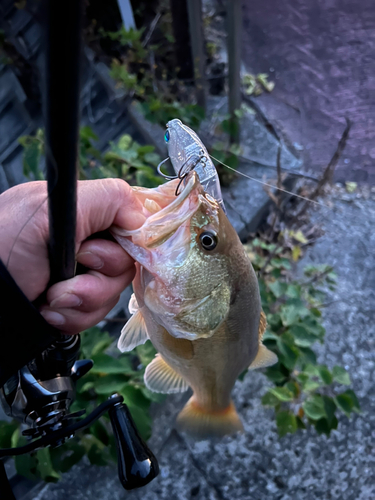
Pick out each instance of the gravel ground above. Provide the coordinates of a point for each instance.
(257, 464)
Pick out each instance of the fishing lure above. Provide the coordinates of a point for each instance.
(186, 153)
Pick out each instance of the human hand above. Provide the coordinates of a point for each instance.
(81, 302)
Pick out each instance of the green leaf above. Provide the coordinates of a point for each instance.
(152, 158)
(322, 426)
(282, 393)
(300, 423)
(307, 355)
(109, 384)
(7, 429)
(325, 374)
(278, 288)
(270, 399)
(45, 467)
(302, 337)
(87, 133)
(286, 423)
(142, 150)
(94, 341)
(296, 253)
(100, 432)
(293, 291)
(350, 186)
(288, 353)
(330, 408)
(64, 457)
(26, 465)
(347, 402)
(143, 421)
(146, 353)
(293, 387)
(352, 395)
(314, 407)
(311, 370)
(299, 236)
(109, 365)
(96, 456)
(292, 313)
(156, 397)
(340, 375)
(133, 396)
(274, 374)
(125, 142)
(31, 159)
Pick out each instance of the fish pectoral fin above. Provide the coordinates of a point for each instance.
(133, 306)
(160, 377)
(264, 358)
(133, 333)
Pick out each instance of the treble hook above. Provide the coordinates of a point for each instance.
(183, 172)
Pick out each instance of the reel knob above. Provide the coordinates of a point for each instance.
(137, 465)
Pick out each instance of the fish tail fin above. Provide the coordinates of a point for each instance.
(202, 423)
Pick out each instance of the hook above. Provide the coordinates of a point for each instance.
(185, 168)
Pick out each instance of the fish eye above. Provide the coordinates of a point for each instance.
(208, 240)
(166, 136)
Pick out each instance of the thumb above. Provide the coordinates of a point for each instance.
(104, 202)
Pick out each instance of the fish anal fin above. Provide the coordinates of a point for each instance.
(264, 358)
(262, 325)
(133, 333)
(202, 423)
(160, 377)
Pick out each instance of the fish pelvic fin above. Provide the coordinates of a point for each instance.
(133, 333)
(160, 377)
(202, 423)
(264, 358)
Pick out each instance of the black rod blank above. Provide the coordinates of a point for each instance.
(62, 90)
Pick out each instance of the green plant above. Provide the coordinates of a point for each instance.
(153, 84)
(305, 392)
(33, 150)
(256, 84)
(126, 159)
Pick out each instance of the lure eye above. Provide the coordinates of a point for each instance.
(208, 240)
(166, 136)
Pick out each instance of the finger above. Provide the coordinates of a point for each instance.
(87, 292)
(105, 202)
(106, 256)
(72, 321)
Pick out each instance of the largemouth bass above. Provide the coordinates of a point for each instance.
(196, 297)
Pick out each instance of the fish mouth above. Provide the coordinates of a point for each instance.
(165, 213)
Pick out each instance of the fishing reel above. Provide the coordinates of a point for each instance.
(39, 392)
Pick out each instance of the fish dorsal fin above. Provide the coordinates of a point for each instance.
(264, 358)
(133, 306)
(133, 333)
(160, 377)
(262, 325)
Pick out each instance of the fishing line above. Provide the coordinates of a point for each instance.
(270, 185)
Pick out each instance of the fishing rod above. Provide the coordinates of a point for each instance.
(37, 378)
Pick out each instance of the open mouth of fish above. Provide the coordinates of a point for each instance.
(165, 213)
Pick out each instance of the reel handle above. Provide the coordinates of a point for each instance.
(137, 465)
